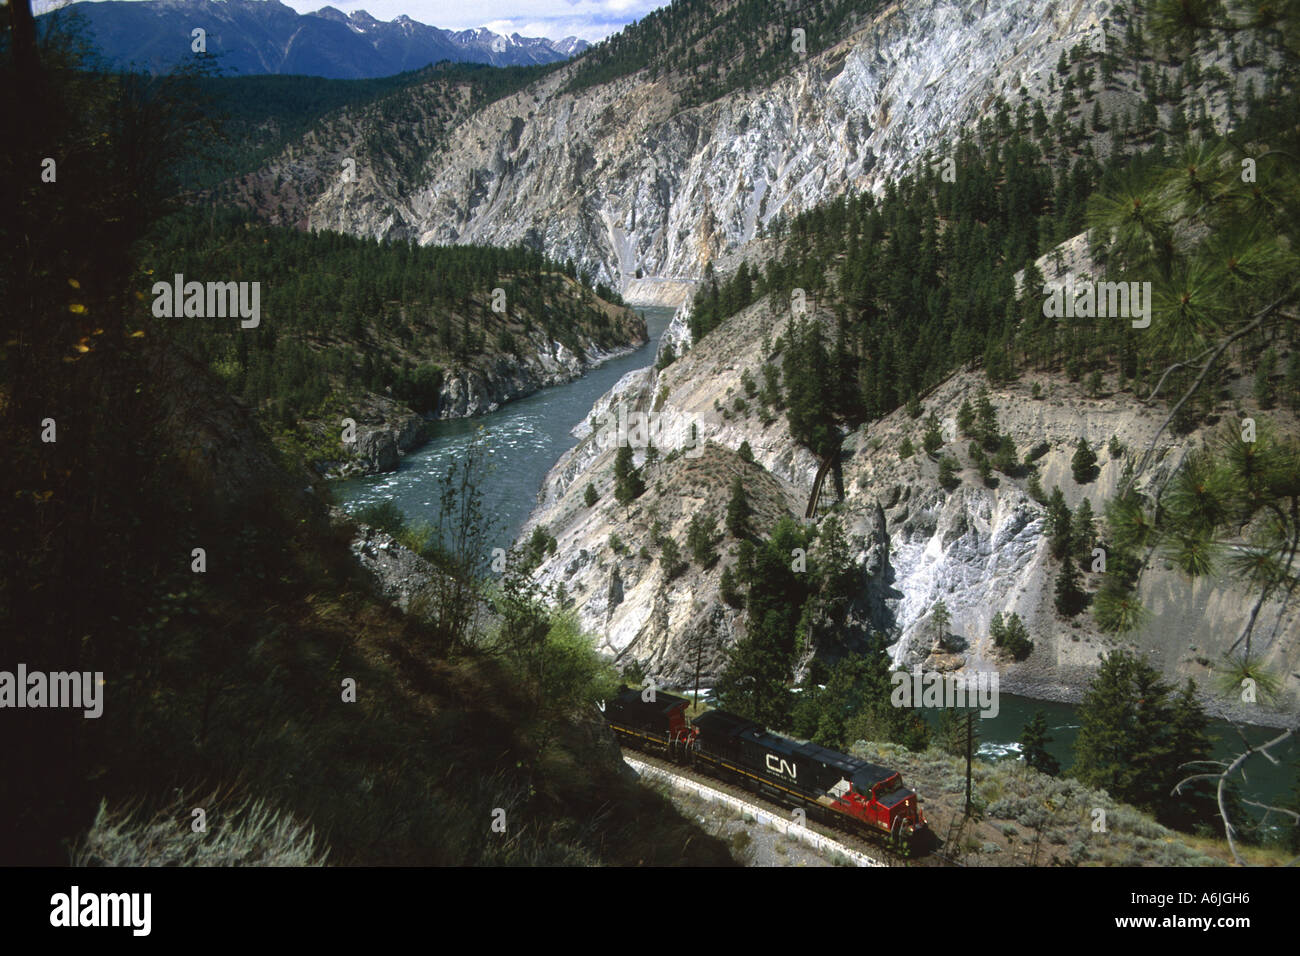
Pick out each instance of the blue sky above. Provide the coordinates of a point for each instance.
(590, 19)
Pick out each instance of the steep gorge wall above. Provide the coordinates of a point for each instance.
(616, 179)
(982, 550)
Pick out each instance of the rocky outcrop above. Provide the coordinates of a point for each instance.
(386, 430)
(982, 550)
(488, 385)
(399, 573)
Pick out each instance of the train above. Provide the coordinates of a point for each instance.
(836, 788)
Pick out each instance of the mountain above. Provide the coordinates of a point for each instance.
(265, 36)
(633, 176)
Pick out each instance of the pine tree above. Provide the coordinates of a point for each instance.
(998, 629)
(754, 684)
(1033, 746)
(589, 496)
(932, 441)
(941, 618)
(987, 418)
(670, 558)
(966, 419)
(738, 510)
(1006, 459)
(1085, 531)
(1059, 524)
(1135, 741)
(1083, 464)
(1069, 599)
(948, 472)
(951, 732)
(1009, 631)
(700, 538)
(1189, 741)
(628, 485)
(1035, 489)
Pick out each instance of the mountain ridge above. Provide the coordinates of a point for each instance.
(254, 37)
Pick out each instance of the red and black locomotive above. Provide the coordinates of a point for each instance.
(839, 789)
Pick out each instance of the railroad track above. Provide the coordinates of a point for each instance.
(879, 852)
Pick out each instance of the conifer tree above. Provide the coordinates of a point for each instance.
(628, 485)
(738, 510)
(1084, 529)
(1068, 596)
(932, 441)
(966, 419)
(1083, 464)
(1059, 524)
(1033, 746)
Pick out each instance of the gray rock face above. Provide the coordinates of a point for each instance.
(982, 550)
(399, 573)
(386, 429)
(617, 180)
(476, 391)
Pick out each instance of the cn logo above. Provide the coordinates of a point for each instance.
(777, 765)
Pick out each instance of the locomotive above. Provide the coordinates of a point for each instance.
(839, 789)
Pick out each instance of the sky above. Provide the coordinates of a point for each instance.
(591, 20)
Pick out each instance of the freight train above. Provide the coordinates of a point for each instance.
(838, 789)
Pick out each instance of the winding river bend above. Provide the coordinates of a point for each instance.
(525, 438)
(528, 436)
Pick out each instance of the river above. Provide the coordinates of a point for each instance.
(526, 438)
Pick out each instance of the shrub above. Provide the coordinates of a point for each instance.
(249, 833)
(385, 516)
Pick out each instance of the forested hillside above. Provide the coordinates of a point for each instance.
(342, 316)
(708, 49)
(923, 277)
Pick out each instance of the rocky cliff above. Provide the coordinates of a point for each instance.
(629, 185)
(982, 550)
